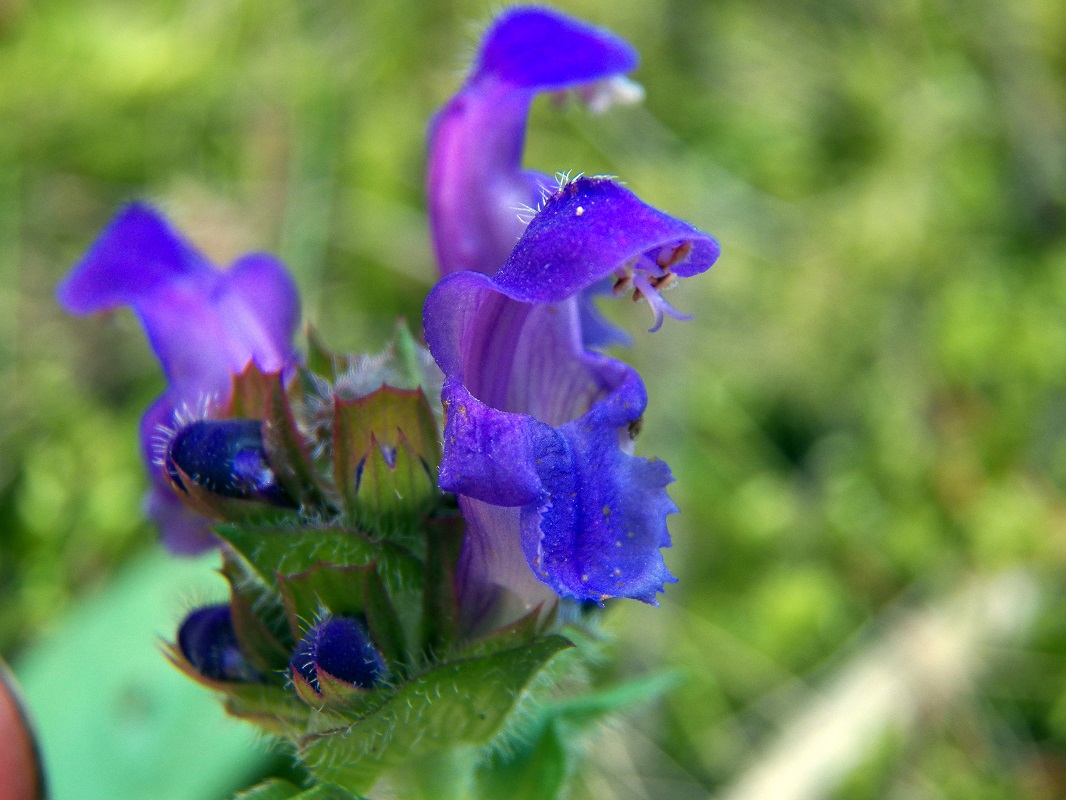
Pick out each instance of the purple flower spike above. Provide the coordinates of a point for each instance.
(341, 648)
(539, 430)
(476, 185)
(204, 325)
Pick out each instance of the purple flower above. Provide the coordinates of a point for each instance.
(539, 429)
(476, 185)
(204, 324)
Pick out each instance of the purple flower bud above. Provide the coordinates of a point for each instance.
(207, 640)
(339, 648)
(225, 457)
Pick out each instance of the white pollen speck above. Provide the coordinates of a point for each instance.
(580, 211)
(585, 578)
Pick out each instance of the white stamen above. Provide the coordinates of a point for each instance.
(658, 306)
(604, 95)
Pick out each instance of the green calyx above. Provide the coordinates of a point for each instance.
(355, 442)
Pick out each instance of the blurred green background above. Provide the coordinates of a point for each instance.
(866, 418)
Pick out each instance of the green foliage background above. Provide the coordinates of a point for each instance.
(868, 410)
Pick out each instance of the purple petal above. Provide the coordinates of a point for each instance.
(137, 254)
(538, 48)
(208, 331)
(184, 532)
(594, 228)
(536, 421)
(262, 307)
(596, 331)
(490, 455)
(592, 517)
(495, 582)
(204, 324)
(601, 533)
(475, 183)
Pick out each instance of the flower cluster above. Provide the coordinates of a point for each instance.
(353, 581)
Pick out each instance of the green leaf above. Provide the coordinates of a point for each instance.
(287, 450)
(465, 702)
(267, 651)
(413, 357)
(322, 591)
(587, 709)
(273, 789)
(277, 789)
(320, 359)
(257, 612)
(440, 604)
(386, 629)
(262, 395)
(326, 791)
(520, 632)
(114, 719)
(269, 551)
(529, 770)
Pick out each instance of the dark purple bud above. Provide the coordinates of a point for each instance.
(207, 640)
(338, 647)
(225, 457)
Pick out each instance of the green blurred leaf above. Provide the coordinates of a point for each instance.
(534, 769)
(320, 359)
(537, 764)
(276, 789)
(589, 708)
(115, 720)
(273, 789)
